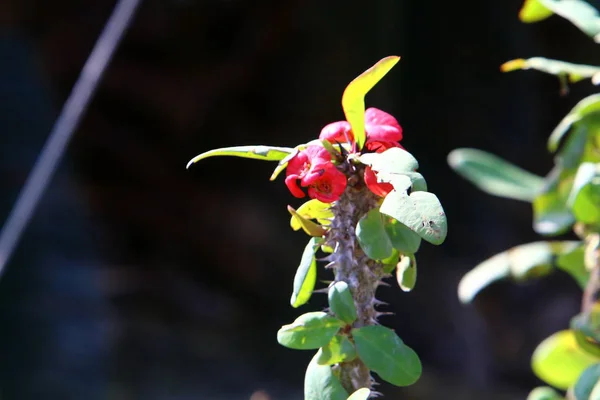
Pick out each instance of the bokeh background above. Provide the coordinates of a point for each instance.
(139, 279)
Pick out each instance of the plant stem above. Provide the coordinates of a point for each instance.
(352, 266)
(592, 264)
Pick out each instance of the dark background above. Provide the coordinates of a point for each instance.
(139, 279)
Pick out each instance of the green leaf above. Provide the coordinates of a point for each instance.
(392, 161)
(572, 262)
(551, 216)
(311, 228)
(360, 394)
(579, 13)
(420, 211)
(586, 382)
(267, 153)
(309, 331)
(586, 327)
(559, 361)
(386, 354)
(353, 99)
(389, 264)
(587, 106)
(372, 236)
(340, 349)
(520, 263)
(284, 162)
(406, 273)
(320, 383)
(573, 72)
(342, 303)
(544, 393)
(306, 275)
(533, 11)
(495, 175)
(585, 194)
(312, 209)
(396, 166)
(401, 237)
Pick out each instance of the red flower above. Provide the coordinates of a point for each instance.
(313, 168)
(382, 130)
(330, 186)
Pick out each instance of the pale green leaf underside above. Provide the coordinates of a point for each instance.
(320, 383)
(306, 275)
(519, 262)
(266, 153)
(309, 331)
(579, 13)
(574, 72)
(421, 212)
(360, 394)
(494, 175)
(588, 105)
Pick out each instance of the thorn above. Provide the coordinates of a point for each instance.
(331, 265)
(383, 283)
(380, 303)
(327, 258)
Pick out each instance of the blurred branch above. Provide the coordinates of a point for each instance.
(64, 128)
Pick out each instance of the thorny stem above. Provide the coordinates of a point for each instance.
(351, 265)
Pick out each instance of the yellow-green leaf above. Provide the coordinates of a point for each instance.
(360, 394)
(312, 209)
(353, 99)
(533, 11)
(306, 275)
(311, 228)
(267, 153)
(559, 361)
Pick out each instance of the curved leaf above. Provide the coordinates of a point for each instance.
(544, 393)
(421, 212)
(267, 153)
(312, 209)
(386, 354)
(401, 237)
(495, 175)
(585, 194)
(340, 349)
(372, 236)
(406, 273)
(559, 361)
(586, 382)
(579, 13)
(311, 228)
(520, 262)
(342, 303)
(589, 105)
(573, 72)
(572, 262)
(320, 383)
(306, 275)
(309, 331)
(533, 11)
(353, 99)
(360, 394)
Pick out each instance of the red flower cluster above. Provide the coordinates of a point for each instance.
(383, 132)
(312, 167)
